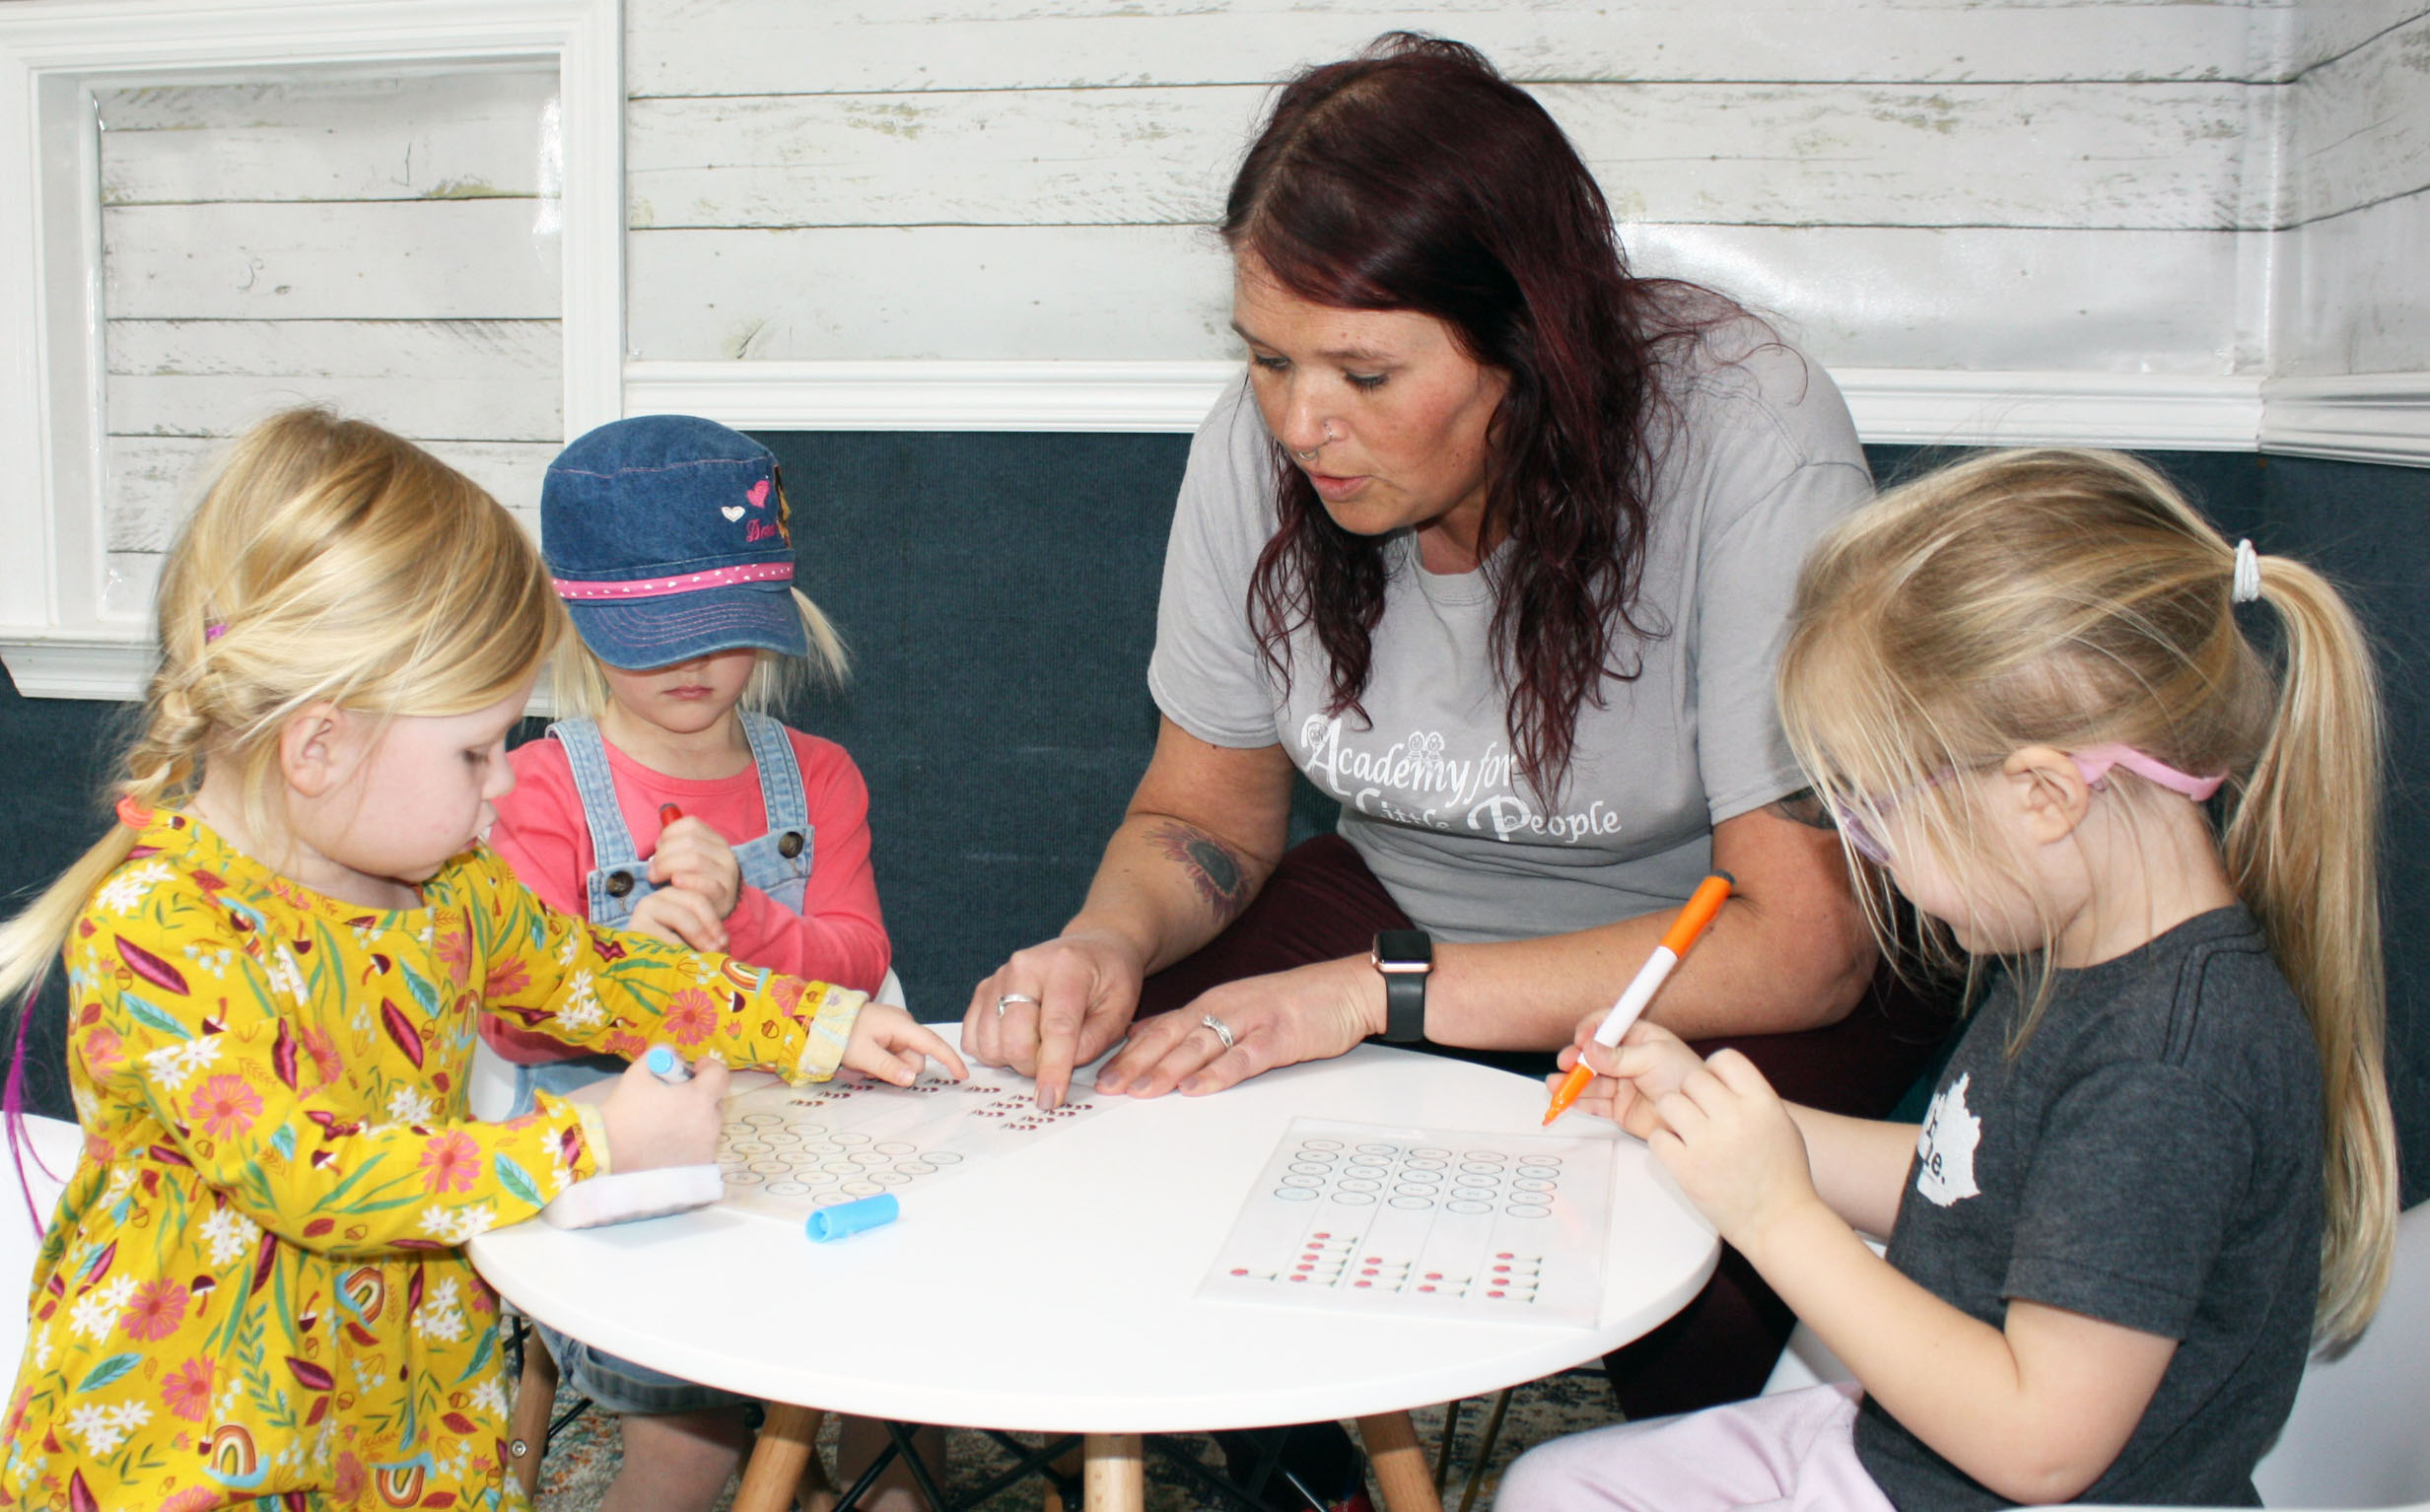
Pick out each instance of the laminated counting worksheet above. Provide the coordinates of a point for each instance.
(1432, 1221)
(788, 1150)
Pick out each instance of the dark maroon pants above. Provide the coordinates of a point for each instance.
(1322, 903)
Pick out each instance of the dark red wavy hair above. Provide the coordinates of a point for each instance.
(1415, 176)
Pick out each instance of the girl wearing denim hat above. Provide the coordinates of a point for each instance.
(668, 804)
(254, 1292)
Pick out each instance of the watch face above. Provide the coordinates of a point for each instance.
(1397, 950)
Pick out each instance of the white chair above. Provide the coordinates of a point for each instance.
(2359, 1434)
(51, 1154)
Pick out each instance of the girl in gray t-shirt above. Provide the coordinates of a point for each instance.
(2160, 1165)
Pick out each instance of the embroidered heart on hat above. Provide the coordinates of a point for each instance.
(759, 494)
(731, 511)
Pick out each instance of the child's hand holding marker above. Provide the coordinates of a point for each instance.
(695, 867)
(653, 1120)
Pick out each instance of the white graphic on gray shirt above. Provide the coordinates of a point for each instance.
(1419, 780)
(1945, 1152)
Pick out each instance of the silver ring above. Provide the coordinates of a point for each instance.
(1308, 455)
(1222, 1030)
(1009, 999)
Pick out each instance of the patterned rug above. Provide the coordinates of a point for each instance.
(583, 1457)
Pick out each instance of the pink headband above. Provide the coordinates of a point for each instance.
(658, 588)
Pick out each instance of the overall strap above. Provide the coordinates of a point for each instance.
(780, 775)
(618, 880)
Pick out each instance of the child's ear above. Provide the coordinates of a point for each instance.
(310, 748)
(2049, 793)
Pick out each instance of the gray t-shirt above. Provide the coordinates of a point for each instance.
(2151, 1158)
(1765, 460)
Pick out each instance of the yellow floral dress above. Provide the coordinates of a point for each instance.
(255, 1292)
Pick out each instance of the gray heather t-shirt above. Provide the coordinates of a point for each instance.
(2151, 1158)
(1764, 461)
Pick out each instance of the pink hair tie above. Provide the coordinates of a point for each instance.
(212, 630)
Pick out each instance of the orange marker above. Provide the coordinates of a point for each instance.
(669, 813)
(1703, 904)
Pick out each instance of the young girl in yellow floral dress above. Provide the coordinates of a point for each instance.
(254, 1293)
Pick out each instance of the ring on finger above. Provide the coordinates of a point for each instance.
(1222, 1030)
(1009, 999)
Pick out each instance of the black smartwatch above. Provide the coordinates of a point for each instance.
(1404, 958)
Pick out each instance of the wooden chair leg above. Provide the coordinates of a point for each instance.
(1401, 1473)
(788, 1443)
(1070, 1467)
(817, 1492)
(1115, 1477)
(1485, 1447)
(536, 1398)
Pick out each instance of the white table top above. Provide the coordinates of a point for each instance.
(1054, 1287)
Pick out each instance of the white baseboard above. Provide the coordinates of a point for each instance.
(1914, 406)
(2366, 418)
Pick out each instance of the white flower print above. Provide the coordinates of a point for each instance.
(458, 1225)
(125, 892)
(440, 1316)
(407, 1105)
(231, 1234)
(97, 1312)
(286, 976)
(172, 1063)
(491, 1397)
(95, 1425)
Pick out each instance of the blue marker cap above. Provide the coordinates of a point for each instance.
(844, 1219)
(666, 1066)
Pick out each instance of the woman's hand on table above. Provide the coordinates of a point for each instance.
(650, 1124)
(1053, 1006)
(1308, 1013)
(890, 1045)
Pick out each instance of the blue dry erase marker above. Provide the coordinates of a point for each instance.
(666, 1066)
(844, 1219)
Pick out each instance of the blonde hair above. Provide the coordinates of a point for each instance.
(2074, 598)
(579, 688)
(328, 560)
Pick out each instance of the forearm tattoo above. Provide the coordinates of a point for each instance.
(1208, 863)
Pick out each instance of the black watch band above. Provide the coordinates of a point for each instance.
(1404, 958)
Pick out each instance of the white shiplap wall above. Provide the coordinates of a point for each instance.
(2083, 185)
(2351, 325)
(387, 244)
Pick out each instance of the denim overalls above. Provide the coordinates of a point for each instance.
(778, 862)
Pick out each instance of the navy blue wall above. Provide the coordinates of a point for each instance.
(998, 595)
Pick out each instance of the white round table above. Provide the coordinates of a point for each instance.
(1054, 1288)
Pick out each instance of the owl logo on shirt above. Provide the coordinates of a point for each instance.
(1945, 1152)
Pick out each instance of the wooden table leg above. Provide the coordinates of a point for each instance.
(1115, 1478)
(535, 1400)
(786, 1442)
(1401, 1471)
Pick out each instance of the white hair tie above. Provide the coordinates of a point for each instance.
(2248, 574)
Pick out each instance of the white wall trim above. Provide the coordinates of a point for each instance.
(1917, 406)
(54, 635)
(2380, 417)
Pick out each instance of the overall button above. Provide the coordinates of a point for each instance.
(619, 883)
(789, 844)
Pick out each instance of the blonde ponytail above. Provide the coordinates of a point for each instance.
(2302, 846)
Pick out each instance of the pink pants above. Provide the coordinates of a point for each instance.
(1795, 1452)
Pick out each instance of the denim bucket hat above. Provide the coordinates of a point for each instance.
(668, 540)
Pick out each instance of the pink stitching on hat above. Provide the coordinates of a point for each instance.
(658, 588)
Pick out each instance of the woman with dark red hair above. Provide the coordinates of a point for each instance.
(1493, 545)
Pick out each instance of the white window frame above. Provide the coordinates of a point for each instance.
(54, 637)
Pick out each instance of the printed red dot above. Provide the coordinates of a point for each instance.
(1368, 1271)
(1500, 1269)
(1240, 1269)
(1365, 1284)
(1492, 1293)
(1324, 1236)
(1433, 1275)
(1298, 1277)
(1305, 1268)
(1505, 1255)
(1375, 1260)
(1425, 1288)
